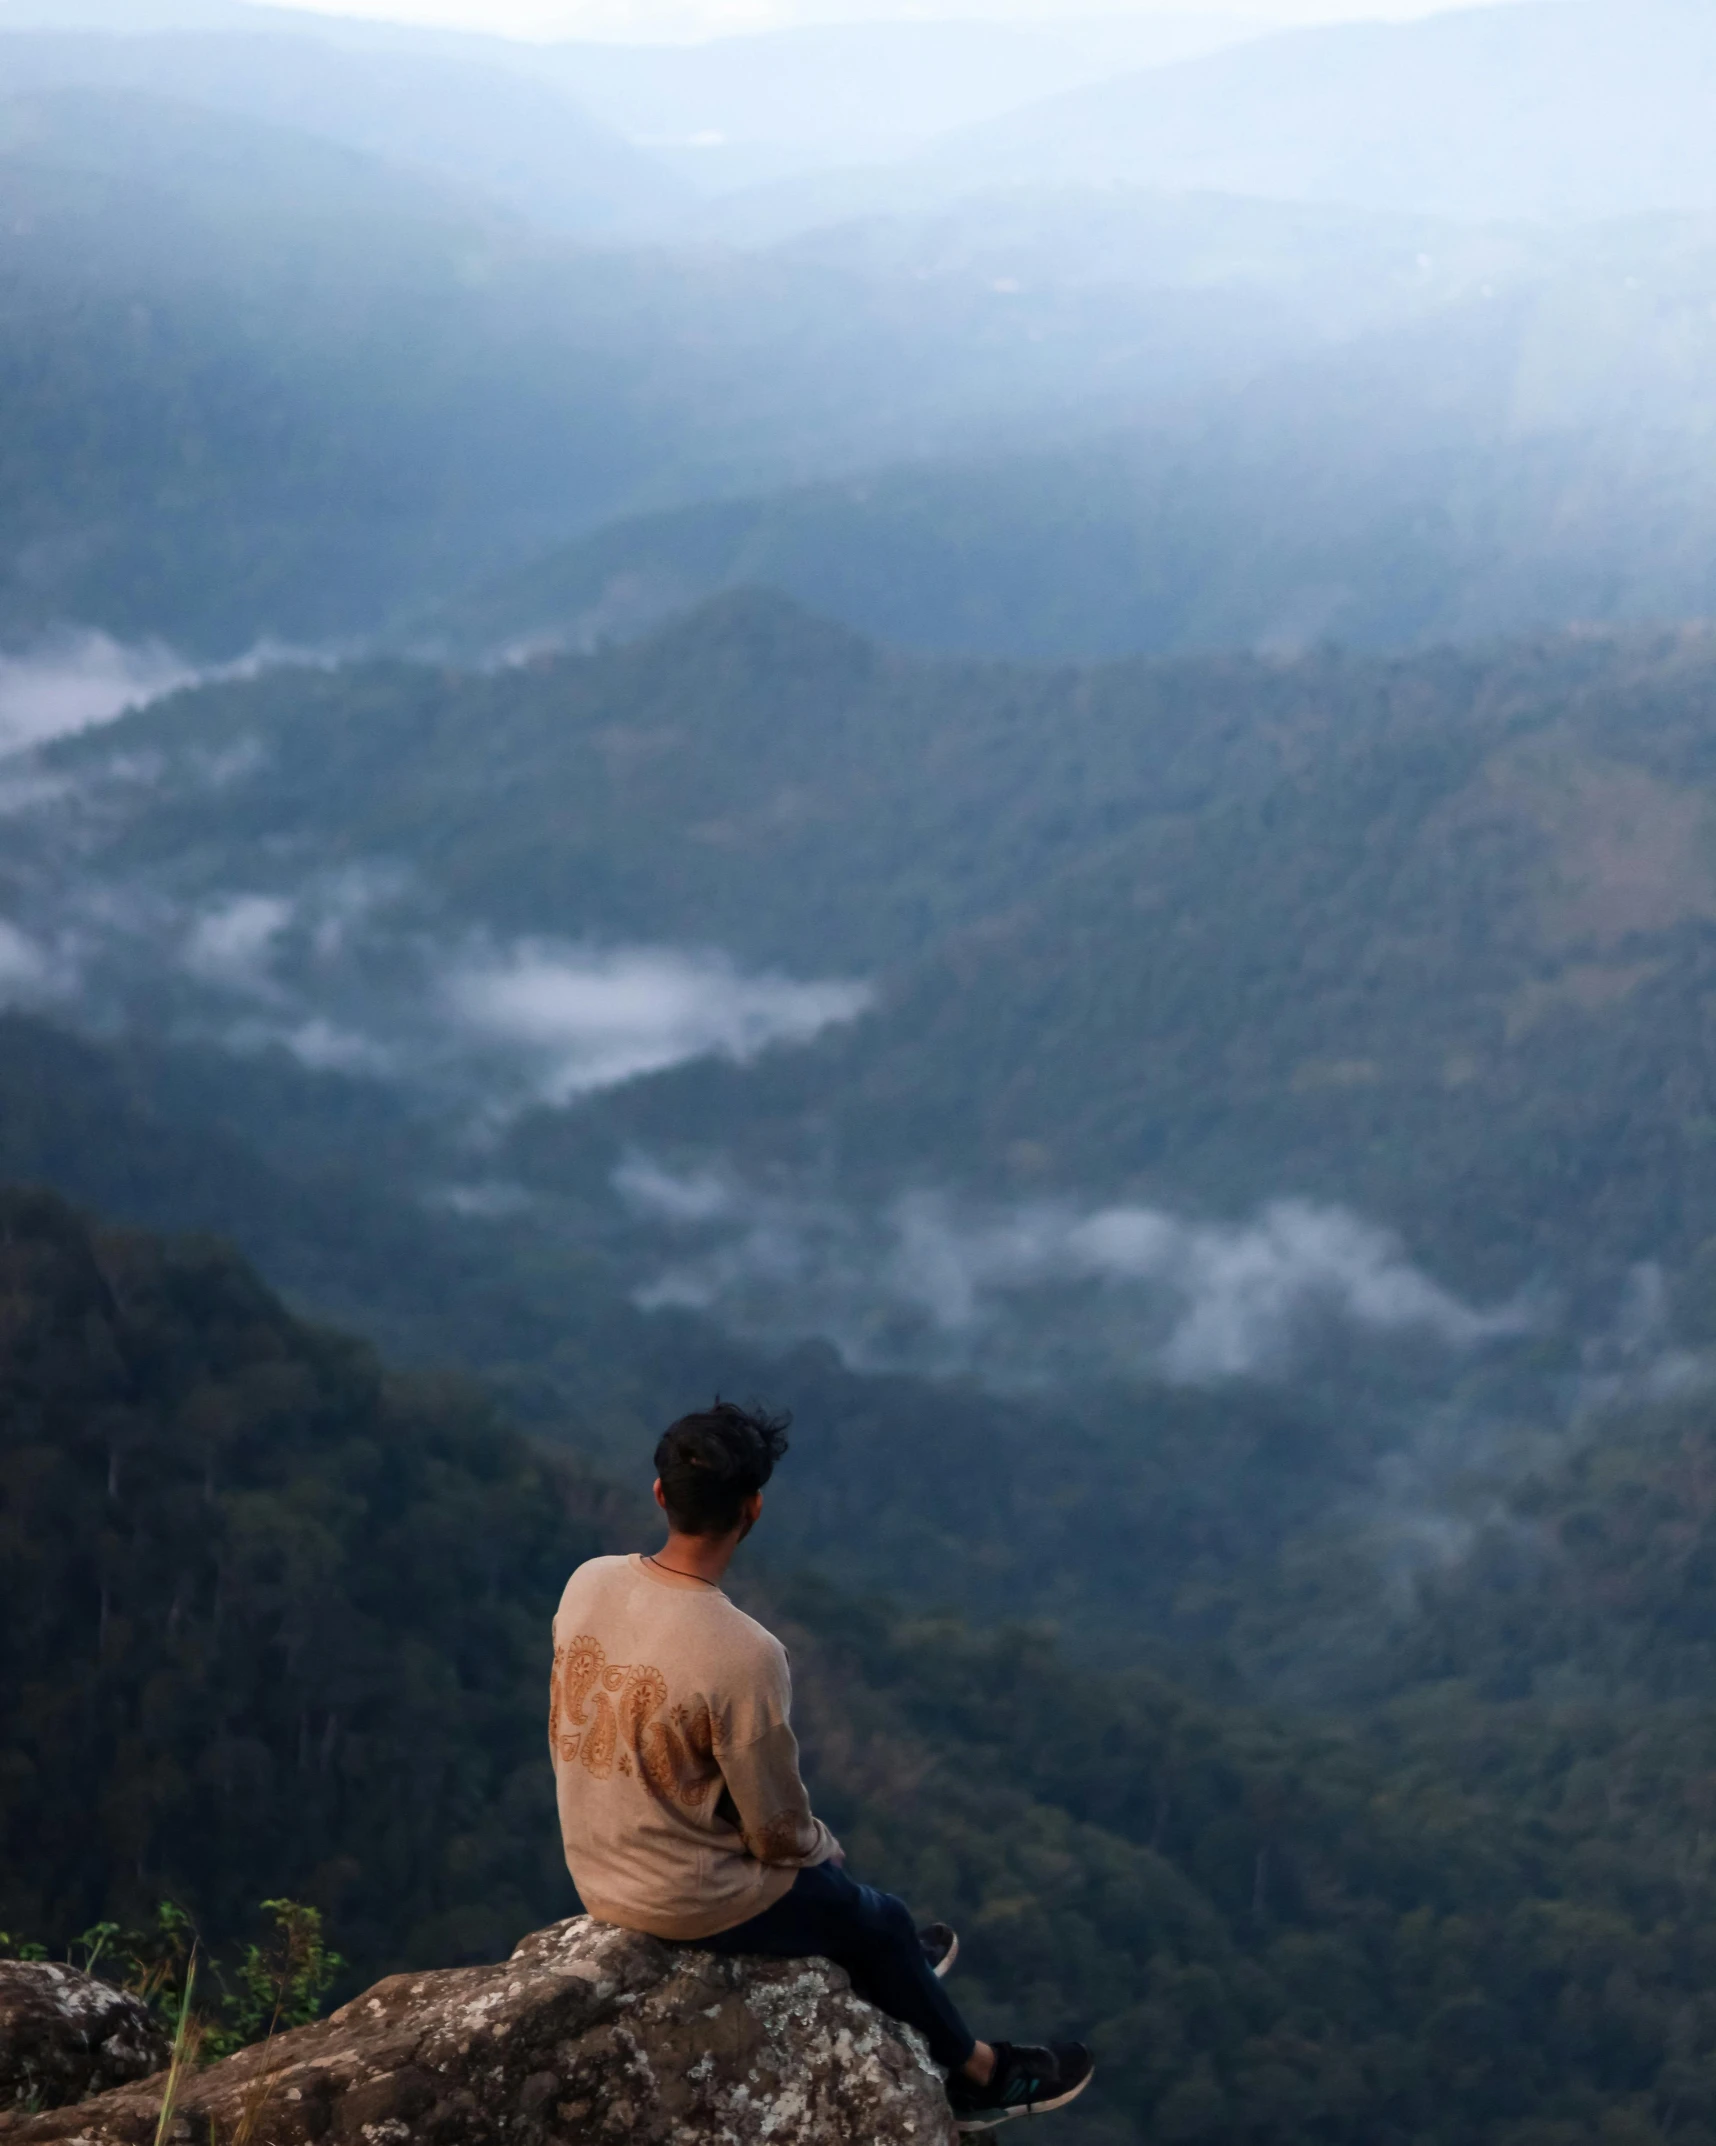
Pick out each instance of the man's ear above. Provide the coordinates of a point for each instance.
(659, 1498)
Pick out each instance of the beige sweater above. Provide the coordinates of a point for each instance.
(675, 1767)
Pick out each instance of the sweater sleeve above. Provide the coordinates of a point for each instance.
(775, 1817)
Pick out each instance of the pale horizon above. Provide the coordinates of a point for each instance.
(653, 21)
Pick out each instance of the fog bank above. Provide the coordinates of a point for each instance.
(928, 1283)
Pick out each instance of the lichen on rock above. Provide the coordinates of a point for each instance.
(586, 2034)
(65, 2036)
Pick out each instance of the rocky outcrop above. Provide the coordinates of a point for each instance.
(65, 2036)
(586, 2034)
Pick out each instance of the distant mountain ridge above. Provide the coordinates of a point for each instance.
(745, 108)
(1379, 431)
(1548, 109)
(488, 131)
(215, 441)
(717, 113)
(1382, 429)
(1212, 538)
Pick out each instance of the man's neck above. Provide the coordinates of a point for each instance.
(696, 1557)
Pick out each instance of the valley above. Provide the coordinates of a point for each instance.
(1000, 731)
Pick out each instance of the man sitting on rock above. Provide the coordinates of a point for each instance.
(676, 1772)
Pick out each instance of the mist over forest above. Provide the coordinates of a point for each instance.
(1001, 729)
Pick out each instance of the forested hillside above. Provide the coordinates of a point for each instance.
(1451, 968)
(267, 1613)
(277, 1621)
(1124, 1511)
(1068, 826)
(1425, 936)
(1267, 1068)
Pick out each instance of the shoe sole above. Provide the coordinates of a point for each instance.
(947, 1959)
(1031, 2108)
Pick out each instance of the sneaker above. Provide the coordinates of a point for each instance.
(941, 1946)
(1026, 2081)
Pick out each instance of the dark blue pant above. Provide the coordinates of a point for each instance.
(829, 1916)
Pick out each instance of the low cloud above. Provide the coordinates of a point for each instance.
(27, 974)
(318, 1045)
(324, 1047)
(33, 975)
(1636, 1359)
(346, 974)
(307, 956)
(928, 1283)
(233, 944)
(360, 969)
(75, 680)
(590, 1018)
(1248, 1289)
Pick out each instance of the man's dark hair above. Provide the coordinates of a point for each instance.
(710, 1463)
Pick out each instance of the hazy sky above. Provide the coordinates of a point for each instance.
(656, 18)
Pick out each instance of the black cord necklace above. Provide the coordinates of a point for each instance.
(650, 1558)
